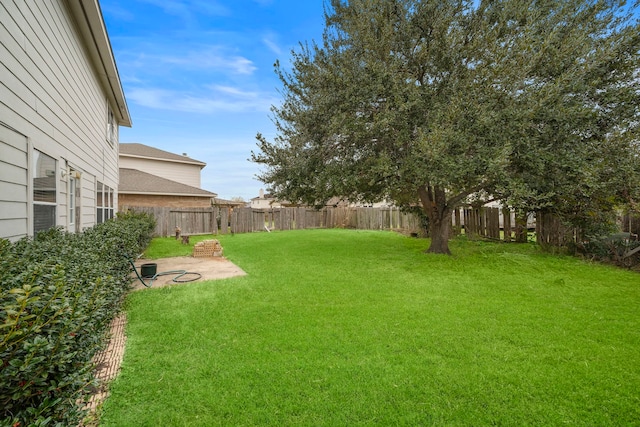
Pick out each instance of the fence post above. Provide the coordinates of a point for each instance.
(457, 227)
(469, 223)
(521, 226)
(506, 224)
(224, 220)
(474, 222)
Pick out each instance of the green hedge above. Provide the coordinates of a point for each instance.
(612, 249)
(59, 292)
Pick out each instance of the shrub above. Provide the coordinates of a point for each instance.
(613, 248)
(59, 293)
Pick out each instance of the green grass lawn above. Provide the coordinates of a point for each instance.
(341, 327)
(171, 247)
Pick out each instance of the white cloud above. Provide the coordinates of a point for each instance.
(131, 79)
(233, 91)
(189, 9)
(242, 65)
(212, 58)
(270, 40)
(153, 98)
(220, 99)
(211, 7)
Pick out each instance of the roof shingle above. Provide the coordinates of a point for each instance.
(135, 181)
(141, 150)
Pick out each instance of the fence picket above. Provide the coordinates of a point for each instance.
(474, 222)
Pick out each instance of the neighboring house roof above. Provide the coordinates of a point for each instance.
(133, 181)
(88, 16)
(218, 201)
(264, 197)
(147, 152)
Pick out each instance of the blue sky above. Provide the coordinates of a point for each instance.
(199, 79)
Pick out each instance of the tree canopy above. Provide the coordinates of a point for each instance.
(428, 102)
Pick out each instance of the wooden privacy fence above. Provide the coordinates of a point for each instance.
(216, 220)
(631, 223)
(485, 222)
(480, 222)
(189, 220)
(551, 231)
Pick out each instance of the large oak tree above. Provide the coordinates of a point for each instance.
(428, 102)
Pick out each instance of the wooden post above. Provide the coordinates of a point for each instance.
(470, 223)
(493, 223)
(506, 224)
(521, 226)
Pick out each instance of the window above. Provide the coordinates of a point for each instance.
(108, 209)
(74, 201)
(104, 203)
(44, 192)
(112, 128)
(99, 204)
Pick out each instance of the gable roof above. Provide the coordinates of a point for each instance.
(265, 196)
(147, 152)
(218, 201)
(133, 181)
(88, 17)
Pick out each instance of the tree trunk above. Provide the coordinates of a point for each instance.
(434, 204)
(440, 233)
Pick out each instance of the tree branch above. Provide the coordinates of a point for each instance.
(457, 198)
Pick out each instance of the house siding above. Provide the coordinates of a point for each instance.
(49, 91)
(183, 173)
(145, 200)
(14, 180)
(262, 203)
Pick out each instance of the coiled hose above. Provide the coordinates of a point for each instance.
(179, 274)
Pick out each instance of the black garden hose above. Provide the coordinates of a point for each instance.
(179, 274)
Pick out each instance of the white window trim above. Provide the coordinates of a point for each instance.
(31, 176)
(112, 130)
(72, 202)
(105, 202)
